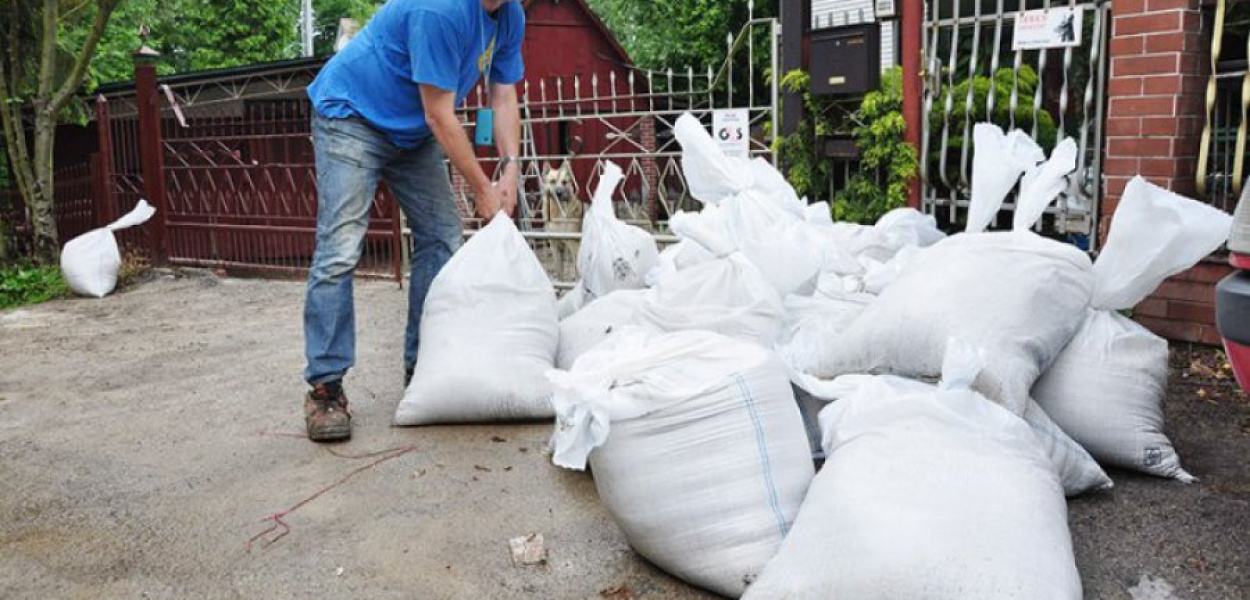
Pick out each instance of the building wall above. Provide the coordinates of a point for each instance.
(827, 13)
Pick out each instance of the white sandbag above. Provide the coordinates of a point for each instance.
(909, 227)
(708, 230)
(488, 335)
(770, 183)
(1105, 391)
(776, 241)
(1043, 183)
(865, 241)
(819, 213)
(998, 161)
(833, 285)
(590, 326)
(1017, 295)
(568, 304)
(1154, 234)
(813, 324)
(90, 262)
(1078, 472)
(1106, 387)
(878, 276)
(697, 449)
(935, 494)
(711, 175)
(727, 295)
(613, 255)
(676, 257)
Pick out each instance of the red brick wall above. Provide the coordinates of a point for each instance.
(1159, 64)
(1183, 309)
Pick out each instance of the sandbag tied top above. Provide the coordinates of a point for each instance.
(711, 175)
(1154, 234)
(488, 335)
(697, 447)
(998, 162)
(90, 262)
(613, 255)
(926, 492)
(1043, 183)
(1017, 295)
(1107, 386)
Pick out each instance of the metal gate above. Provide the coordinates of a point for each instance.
(972, 74)
(234, 157)
(572, 126)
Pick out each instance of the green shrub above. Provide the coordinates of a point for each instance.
(887, 163)
(25, 284)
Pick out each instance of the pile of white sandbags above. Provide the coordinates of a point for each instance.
(700, 392)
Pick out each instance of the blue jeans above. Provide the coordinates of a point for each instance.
(352, 158)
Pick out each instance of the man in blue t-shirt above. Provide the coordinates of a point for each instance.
(385, 111)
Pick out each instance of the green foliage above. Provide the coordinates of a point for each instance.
(219, 34)
(677, 33)
(799, 152)
(981, 86)
(114, 58)
(25, 284)
(887, 163)
(328, 13)
(198, 35)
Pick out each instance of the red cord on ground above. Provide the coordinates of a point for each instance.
(279, 528)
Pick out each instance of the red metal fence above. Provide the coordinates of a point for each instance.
(241, 192)
(233, 183)
(74, 204)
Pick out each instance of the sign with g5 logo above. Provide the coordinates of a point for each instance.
(732, 130)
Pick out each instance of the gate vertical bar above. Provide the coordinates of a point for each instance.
(151, 151)
(912, 31)
(1101, 28)
(106, 202)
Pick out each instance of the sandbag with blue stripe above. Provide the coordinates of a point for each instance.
(697, 448)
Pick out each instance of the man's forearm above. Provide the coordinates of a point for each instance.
(455, 142)
(507, 120)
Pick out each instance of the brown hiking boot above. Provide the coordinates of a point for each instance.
(325, 413)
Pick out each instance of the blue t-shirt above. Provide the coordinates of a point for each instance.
(447, 44)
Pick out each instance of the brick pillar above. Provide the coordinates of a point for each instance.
(1160, 61)
(650, 168)
(1155, 96)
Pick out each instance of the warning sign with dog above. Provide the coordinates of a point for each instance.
(1053, 28)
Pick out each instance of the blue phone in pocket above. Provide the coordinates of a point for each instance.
(484, 132)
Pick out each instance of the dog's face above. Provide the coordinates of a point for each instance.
(558, 182)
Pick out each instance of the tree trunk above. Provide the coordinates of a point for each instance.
(42, 197)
